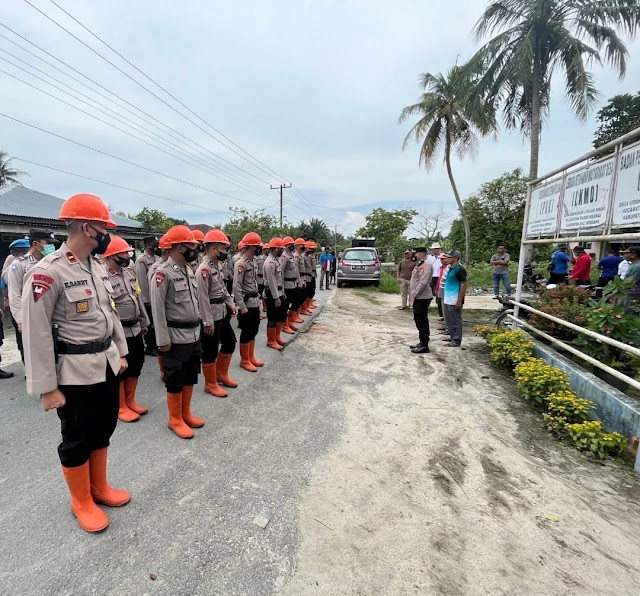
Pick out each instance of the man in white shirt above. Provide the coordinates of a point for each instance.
(623, 267)
(436, 263)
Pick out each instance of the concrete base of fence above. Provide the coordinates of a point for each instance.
(617, 411)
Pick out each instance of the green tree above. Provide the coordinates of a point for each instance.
(449, 118)
(243, 221)
(536, 38)
(9, 174)
(154, 220)
(620, 115)
(496, 215)
(386, 227)
(315, 229)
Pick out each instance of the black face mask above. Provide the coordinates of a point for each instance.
(190, 255)
(102, 239)
(200, 247)
(290, 248)
(280, 251)
(157, 251)
(223, 256)
(258, 250)
(122, 261)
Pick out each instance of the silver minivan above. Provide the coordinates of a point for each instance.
(361, 264)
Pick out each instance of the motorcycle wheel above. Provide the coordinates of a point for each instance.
(503, 321)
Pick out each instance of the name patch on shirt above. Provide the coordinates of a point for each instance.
(75, 283)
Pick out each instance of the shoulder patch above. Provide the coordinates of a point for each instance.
(39, 289)
(204, 272)
(160, 277)
(43, 278)
(240, 267)
(112, 271)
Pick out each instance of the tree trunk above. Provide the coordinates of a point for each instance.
(536, 103)
(465, 222)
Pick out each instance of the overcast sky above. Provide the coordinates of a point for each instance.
(311, 89)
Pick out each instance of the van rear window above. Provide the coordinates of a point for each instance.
(359, 255)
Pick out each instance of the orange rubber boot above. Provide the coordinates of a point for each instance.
(222, 371)
(187, 415)
(296, 317)
(161, 366)
(176, 423)
(211, 380)
(100, 489)
(252, 354)
(279, 330)
(124, 413)
(272, 342)
(287, 328)
(245, 358)
(90, 517)
(305, 309)
(130, 386)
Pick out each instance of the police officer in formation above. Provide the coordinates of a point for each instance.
(84, 318)
(148, 258)
(421, 295)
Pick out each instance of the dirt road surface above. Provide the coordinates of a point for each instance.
(378, 471)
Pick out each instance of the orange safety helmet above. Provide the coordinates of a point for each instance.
(216, 235)
(276, 243)
(309, 244)
(85, 206)
(117, 245)
(162, 243)
(179, 234)
(251, 239)
(299, 242)
(240, 245)
(198, 235)
(288, 240)
(266, 246)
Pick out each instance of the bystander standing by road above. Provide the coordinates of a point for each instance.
(500, 261)
(405, 269)
(559, 265)
(624, 265)
(326, 263)
(633, 274)
(455, 290)
(608, 268)
(581, 272)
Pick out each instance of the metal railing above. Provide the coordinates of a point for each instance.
(569, 348)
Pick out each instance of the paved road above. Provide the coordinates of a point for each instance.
(190, 522)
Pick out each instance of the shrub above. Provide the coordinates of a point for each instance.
(589, 436)
(568, 405)
(388, 284)
(555, 424)
(564, 302)
(488, 331)
(510, 348)
(538, 380)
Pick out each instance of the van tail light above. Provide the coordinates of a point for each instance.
(378, 262)
(342, 263)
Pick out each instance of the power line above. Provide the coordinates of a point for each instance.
(138, 83)
(198, 147)
(119, 118)
(131, 163)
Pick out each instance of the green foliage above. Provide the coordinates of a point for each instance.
(317, 230)
(590, 437)
(9, 174)
(488, 331)
(496, 215)
(388, 284)
(537, 379)
(387, 227)
(568, 303)
(620, 115)
(154, 220)
(243, 221)
(568, 405)
(510, 348)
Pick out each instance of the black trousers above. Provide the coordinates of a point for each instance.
(293, 298)
(229, 284)
(558, 278)
(181, 366)
(135, 357)
(150, 337)
(312, 289)
(18, 337)
(1, 336)
(421, 319)
(261, 289)
(88, 419)
(276, 314)
(249, 325)
(223, 340)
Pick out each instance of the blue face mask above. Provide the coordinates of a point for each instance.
(47, 249)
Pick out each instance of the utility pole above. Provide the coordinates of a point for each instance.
(281, 188)
(335, 239)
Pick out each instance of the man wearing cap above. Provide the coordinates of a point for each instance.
(436, 264)
(17, 249)
(150, 256)
(421, 296)
(455, 290)
(405, 270)
(75, 348)
(581, 272)
(42, 244)
(176, 313)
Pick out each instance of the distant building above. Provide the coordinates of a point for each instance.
(22, 209)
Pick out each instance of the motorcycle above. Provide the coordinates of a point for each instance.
(533, 282)
(508, 308)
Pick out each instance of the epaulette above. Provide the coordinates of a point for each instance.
(45, 262)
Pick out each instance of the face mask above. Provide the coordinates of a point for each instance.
(223, 256)
(47, 249)
(200, 248)
(102, 239)
(258, 250)
(157, 252)
(122, 262)
(190, 255)
(280, 252)
(290, 248)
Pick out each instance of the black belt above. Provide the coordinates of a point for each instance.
(183, 324)
(250, 295)
(216, 300)
(130, 323)
(290, 279)
(92, 348)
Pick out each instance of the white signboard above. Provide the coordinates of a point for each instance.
(585, 203)
(626, 208)
(543, 213)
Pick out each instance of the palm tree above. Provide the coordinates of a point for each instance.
(448, 118)
(536, 38)
(8, 175)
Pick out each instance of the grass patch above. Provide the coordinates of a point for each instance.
(480, 275)
(368, 294)
(388, 284)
